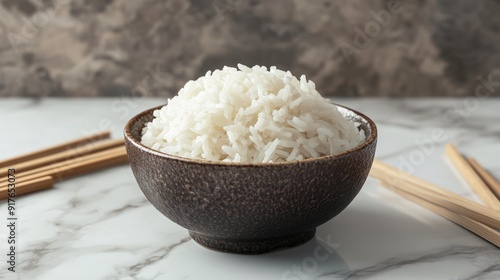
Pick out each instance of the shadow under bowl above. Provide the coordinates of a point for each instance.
(250, 208)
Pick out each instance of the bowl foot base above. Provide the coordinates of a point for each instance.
(252, 246)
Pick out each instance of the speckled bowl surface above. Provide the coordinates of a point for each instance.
(250, 208)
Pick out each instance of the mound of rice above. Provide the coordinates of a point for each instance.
(250, 115)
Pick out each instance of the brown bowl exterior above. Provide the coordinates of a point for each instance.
(250, 208)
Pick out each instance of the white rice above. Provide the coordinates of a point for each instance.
(250, 115)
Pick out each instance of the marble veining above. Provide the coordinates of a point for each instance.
(100, 226)
(459, 252)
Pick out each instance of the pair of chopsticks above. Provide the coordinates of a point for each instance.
(477, 218)
(39, 170)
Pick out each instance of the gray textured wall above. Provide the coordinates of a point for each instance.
(152, 47)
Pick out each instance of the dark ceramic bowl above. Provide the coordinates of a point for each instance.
(250, 208)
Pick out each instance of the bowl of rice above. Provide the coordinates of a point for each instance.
(250, 160)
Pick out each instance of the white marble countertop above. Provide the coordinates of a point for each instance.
(100, 226)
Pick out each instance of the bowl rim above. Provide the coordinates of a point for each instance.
(128, 137)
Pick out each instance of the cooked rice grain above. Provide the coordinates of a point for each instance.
(250, 115)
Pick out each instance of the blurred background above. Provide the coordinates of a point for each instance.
(86, 48)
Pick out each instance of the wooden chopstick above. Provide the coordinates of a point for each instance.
(54, 149)
(62, 164)
(92, 164)
(484, 231)
(66, 155)
(439, 196)
(492, 183)
(25, 187)
(65, 169)
(470, 175)
(389, 173)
